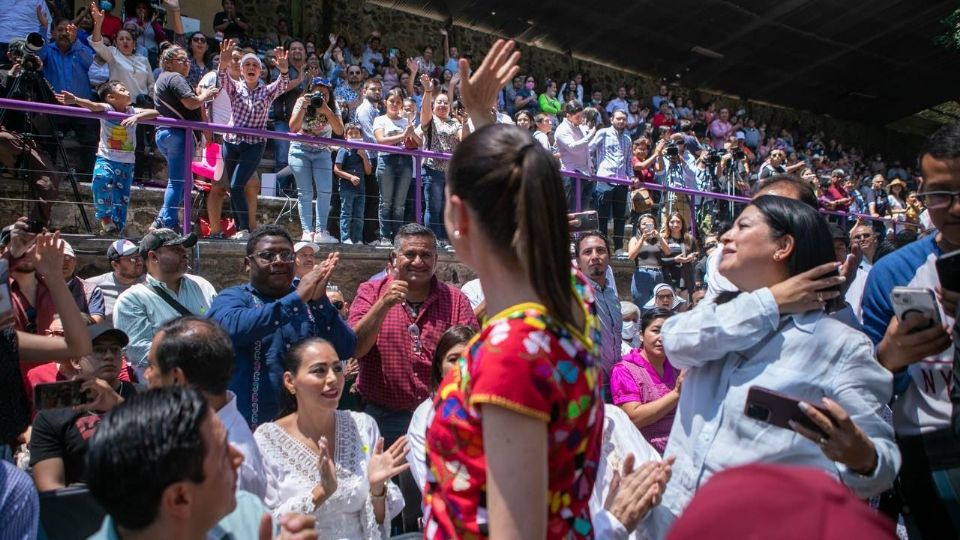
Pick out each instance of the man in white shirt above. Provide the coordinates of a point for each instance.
(573, 142)
(167, 293)
(196, 352)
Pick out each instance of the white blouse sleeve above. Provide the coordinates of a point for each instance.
(416, 438)
(371, 433)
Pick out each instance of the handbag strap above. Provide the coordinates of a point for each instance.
(171, 301)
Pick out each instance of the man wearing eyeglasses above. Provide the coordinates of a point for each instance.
(268, 315)
(167, 292)
(919, 352)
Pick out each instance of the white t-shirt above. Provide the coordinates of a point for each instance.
(221, 104)
(390, 126)
(118, 143)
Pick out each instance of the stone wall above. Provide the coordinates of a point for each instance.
(356, 19)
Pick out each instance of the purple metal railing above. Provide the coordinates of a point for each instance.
(417, 154)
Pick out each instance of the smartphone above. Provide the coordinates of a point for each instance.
(647, 227)
(585, 221)
(913, 301)
(6, 306)
(948, 268)
(393, 53)
(58, 395)
(778, 409)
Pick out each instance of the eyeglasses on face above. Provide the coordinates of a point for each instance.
(271, 256)
(862, 236)
(338, 304)
(939, 199)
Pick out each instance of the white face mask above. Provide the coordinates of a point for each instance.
(630, 330)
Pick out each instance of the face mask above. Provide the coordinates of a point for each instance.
(529, 85)
(105, 5)
(629, 330)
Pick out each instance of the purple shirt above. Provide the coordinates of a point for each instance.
(635, 380)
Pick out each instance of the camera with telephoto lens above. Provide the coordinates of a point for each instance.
(25, 52)
(672, 150)
(738, 154)
(315, 102)
(713, 157)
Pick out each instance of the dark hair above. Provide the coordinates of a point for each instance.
(836, 233)
(414, 229)
(200, 348)
(455, 335)
(291, 363)
(944, 143)
(812, 242)
(266, 230)
(572, 107)
(395, 92)
(107, 88)
(514, 186)
(143, 446)
(807, 196)
(653, 314)
(593, 234)
(523, 112)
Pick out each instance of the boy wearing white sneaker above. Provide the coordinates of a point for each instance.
(350, 166)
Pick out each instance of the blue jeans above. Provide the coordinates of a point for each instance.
(171, 144)
(394, 173)
(570, 189)
(433, 184)
(644, 280)
(351, 211)
(313, 170)
(240, 161)
(281, 147)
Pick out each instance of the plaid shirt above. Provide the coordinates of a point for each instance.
(392, 375)
(250, 107)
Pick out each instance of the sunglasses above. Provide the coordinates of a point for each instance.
(353, 73)
(199, 39)
(271, 256)
(338, 304)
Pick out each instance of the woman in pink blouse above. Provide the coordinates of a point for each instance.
(645, 385)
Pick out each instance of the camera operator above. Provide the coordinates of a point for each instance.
(672, 169)
(22, 152)
(735, 165)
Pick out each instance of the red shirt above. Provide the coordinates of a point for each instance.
(393, 375)
(112, 24)
(660, 119)
(834, 193)
(525, 361)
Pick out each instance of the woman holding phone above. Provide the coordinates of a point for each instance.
(776, 335)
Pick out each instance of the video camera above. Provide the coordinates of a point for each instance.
(738, 154)
(672, 150)
(25, 51)
(713, 157)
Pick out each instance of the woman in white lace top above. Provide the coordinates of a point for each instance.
(351, 496)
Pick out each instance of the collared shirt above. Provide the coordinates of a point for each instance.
(574, 147)
(611, 325)
(250, 107)
(262, 330)
(133, 71)
(241, 524)
(394, 375)
(33, 318)
(617, 104)
(611, 150)
(68, 71)
(252, 475)
(20, 18)
(140, 311)
(111, 290)
(729, 348)
(365, 114)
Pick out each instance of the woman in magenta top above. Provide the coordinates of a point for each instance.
(645, 385)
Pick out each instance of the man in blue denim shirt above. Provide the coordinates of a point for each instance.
(268, 316)
(611, 150)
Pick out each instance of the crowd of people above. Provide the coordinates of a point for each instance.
(363, 90)
(765, 346)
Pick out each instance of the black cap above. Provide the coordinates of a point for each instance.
(99, 330)
(166, 238)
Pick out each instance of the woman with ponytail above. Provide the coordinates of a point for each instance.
(513, 448)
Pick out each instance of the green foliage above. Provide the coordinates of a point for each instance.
(951, 38)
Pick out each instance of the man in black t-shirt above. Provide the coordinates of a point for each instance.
(58, 443)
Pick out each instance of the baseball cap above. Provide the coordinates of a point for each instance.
(741, 136)
(104, 329)
(68, 250)
(166, 238)
(300, 245)
(121, 248)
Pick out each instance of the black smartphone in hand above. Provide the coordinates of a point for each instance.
(58, 395)
(948, 269)
(778, 409)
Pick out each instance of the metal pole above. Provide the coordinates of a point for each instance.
(579, 203)
(418, 200)
(187, 180)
